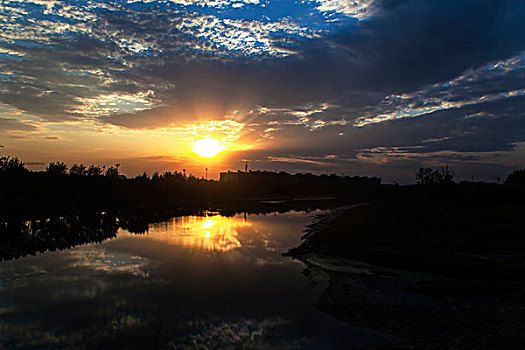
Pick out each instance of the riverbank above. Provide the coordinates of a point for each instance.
(435, 274)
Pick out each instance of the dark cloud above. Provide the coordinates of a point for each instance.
(411, 43)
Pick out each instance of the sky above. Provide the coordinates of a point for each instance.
(371, 87)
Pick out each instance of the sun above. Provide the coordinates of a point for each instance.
(208, 148)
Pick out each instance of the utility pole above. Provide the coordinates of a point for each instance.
(246, 167)
(206, 173)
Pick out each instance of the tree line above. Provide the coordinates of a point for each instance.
(12, 165)
(63, 190)
(423, 176)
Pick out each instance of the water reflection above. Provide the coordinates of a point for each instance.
(212, 232)
(193, 282)
(21, 238)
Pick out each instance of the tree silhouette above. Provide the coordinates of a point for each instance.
(425, 176)
(78, 169)
(112, 172)
(429, 177)
(11, 165)
(516, 178)
(143, 176)
(446, 176)
(57, 168)
(94, 171)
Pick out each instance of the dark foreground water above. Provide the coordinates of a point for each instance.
(188, 283)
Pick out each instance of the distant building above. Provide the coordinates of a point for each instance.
(267, 177)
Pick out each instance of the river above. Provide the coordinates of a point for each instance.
(192, 282)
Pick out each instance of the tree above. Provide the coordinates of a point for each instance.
(112, 172)
(94, 171)
(446, 176)
(57, 168)
(143, 176)
(78, 169)
(11, 165)
(428, 176)
(516, 178)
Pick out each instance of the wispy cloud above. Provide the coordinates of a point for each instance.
(492, 82)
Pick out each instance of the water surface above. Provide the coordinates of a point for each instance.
(189, 282)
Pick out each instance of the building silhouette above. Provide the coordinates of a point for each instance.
(282, 178)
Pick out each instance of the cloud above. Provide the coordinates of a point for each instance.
(301, 80)
(492, 82)
(105, 105)
(7, 125)
(354, 9)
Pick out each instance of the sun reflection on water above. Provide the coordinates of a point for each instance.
(210, 232)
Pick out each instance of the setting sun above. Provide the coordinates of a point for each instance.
(208, 148)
